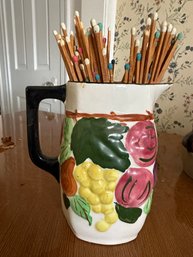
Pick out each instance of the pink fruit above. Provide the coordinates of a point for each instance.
(141, 143)
(134, 187)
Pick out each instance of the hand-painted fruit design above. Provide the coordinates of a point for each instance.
(128, 215)
(147, 206)
(101, 141)
(96, 176)
(134, 187)
(97, 186)
(80, 206)
(66, 151)
(141, 143)
(68, 182)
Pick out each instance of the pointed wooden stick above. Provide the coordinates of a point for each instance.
(81, 35)
(155, 43)
(155, 62)
(99, 50)
(169, 58)
(104, 42)
(95, 48)
(154, 50)
(170, 40)
(77, 17)
(136, 49)
(148, 24)
(126, 74)
(105, 64)
(143, 54)
(69, 47)
(77, 68)
(108, 44)
(131, 57)
(64, 31)
(66, 60)
(84, 41)
(72, 40)
(88, 70)
(164, 47)
(85, 76)
(57, 36)
(173, 33)
(101, 33)
(77, 29)
(138, 60)
(69, 65)
(87, 43)
(93, 23)
(149, 50)
(110, 67)
(92, 59)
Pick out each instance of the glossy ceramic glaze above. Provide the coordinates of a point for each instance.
(108, 159)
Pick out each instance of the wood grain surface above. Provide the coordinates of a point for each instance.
(32, 223)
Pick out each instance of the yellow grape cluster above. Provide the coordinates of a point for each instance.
(97, 186)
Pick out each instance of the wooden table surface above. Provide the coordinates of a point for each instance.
(31, 219)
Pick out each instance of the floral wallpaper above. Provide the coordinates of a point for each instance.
(174, 109)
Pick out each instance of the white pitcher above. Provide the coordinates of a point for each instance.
(107, 159)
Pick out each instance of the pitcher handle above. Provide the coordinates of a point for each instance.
(34, 95)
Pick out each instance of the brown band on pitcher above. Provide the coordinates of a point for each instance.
(112, 116)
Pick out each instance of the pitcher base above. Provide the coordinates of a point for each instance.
(106, 242)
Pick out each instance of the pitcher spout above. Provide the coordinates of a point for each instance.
(116, 98)
(156, 91)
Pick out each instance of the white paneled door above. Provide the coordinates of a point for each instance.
(32, 54)
(28, 52)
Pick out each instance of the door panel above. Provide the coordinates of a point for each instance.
(33, 53)
(28, 52)
(19, 42)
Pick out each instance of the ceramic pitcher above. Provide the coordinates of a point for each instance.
(106, 168)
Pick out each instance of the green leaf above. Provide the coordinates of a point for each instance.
(66, 152)
(66, 201)
(147, 207)
(100, 140)
(128, 215)
(80, 206)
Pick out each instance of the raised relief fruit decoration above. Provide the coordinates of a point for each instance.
(81, 208)
(141, 143)
(67, 162)
(67, 180)
(134, 187)
(95, 166)
(100, 140)
(66, 151)
(132, 190)
(96, 187)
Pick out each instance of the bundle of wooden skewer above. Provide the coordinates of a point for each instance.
(87, 56)
(149, 63)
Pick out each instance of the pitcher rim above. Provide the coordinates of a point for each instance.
(118, 83)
